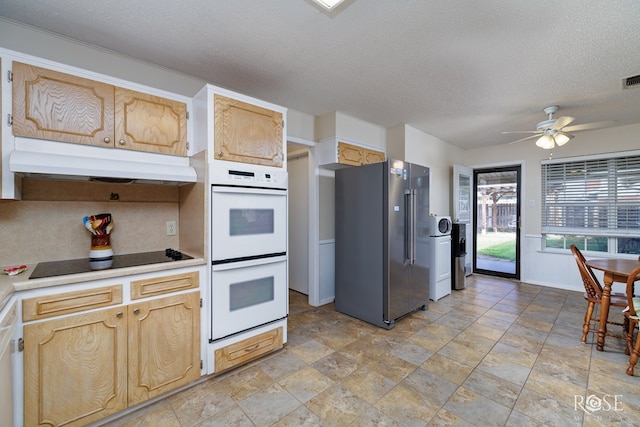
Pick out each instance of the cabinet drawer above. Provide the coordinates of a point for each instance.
(243, 351)
(164, 285)
(70, 302)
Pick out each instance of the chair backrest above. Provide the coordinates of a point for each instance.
(633, 277)
(591, 284)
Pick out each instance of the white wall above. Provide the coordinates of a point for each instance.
(547, 268)
(439, 156)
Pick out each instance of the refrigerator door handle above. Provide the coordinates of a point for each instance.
(413, 226)
(408, 225)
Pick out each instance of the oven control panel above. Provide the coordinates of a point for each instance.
(250, 178)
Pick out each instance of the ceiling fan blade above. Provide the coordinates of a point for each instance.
(588, 126)
(524, 139)
(521, 131)
(561, 122)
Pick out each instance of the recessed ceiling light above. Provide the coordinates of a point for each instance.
(328, 4)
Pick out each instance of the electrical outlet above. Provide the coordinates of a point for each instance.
(171, 228)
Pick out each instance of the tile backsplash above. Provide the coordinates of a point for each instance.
(37, 231)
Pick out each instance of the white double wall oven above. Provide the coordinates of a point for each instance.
(248, 249)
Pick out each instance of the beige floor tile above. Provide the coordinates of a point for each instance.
(498, 352)
(547, 409)
(367, 384)
(233, 416)
(265, 407)
(477, 409)
(449, 369)
(407, 407)
(306, 383)
(337, 406)
(497, 389)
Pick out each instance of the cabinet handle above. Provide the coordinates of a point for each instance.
(107, 139)
(122, 141)
(220, 154)
(119, 314)
(253, 347)
(136, 311)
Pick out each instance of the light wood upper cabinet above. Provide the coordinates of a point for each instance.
(164, 345)
(247, 133)
(150, 123)
(75, 368)
(373, 156)
(61, 107)
(56, 106)
(354, 155)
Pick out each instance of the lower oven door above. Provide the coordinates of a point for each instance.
(247, 294)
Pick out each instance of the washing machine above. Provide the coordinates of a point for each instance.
(439, 245)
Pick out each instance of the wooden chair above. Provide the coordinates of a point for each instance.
(593, 295)
(632, 315)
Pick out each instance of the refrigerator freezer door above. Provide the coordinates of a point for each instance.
(399, 240)
(418, 274)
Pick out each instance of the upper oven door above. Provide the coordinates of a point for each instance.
(247, 223)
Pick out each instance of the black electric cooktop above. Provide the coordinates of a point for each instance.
(85, 265)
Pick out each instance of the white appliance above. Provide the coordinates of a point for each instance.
(439, 252)
(438, 225)
(248, 248)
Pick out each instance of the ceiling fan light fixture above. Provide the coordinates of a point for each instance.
(562, 138)
(328, 4)
(546, 142)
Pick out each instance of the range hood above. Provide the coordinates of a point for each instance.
(61, 161)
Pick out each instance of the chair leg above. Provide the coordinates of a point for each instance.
(635, 354)
(587, 321)
(628, 335)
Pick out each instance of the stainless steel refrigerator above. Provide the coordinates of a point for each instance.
(381, 258)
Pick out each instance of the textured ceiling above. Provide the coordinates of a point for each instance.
(459, 70)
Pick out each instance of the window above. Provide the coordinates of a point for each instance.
(593, 203)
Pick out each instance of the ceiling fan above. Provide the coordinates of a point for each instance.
(552, 132)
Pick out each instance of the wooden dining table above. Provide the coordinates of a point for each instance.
(615, 270)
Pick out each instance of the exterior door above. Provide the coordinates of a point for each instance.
(496, 246)
(463, 208)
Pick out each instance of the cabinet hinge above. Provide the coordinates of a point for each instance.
(9, 119)
(10, 76)
(187, 145)
(200, 302)
(201, 364)
(20, 344)
(187, 115)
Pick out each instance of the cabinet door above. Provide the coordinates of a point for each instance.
(373, 156)
(247, 133)
(349, 154)
(164, 345)
(75, 368)
(61, 107)
(150, 123)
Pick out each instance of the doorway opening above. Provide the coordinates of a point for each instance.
(496, 244)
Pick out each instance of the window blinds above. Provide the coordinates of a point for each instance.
(592, 196)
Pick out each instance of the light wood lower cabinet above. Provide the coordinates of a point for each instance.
(75, 368)
(82, 368)
(164, 345)
(246, 350)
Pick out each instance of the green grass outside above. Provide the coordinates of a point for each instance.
(505, 250)
(498, 245)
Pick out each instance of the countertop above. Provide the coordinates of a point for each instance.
(21, 282)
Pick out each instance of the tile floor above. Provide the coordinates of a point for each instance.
(499, 353)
